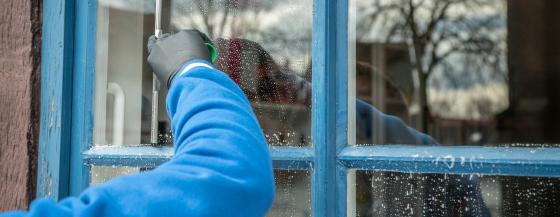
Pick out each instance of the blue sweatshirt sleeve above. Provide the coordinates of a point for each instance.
(221, 165)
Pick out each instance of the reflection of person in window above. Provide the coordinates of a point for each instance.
(265, 81)
(221, 165)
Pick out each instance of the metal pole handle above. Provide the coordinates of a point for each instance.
(155, 83)
(158, 30)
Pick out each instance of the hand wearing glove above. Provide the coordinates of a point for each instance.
(169, 52)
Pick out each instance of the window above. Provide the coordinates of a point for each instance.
(326, 75)
(254, 48)
(449, 70)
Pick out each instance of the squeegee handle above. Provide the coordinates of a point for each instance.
(158, 30)
(154, 131)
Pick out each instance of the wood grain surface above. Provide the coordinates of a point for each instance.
(20, 43)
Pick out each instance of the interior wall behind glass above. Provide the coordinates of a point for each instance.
(121, 98)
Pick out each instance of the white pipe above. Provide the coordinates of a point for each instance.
(118, 112)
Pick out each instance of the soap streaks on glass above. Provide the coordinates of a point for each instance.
(410, 194)
(293, 194)
(100, 174)
(293, 190)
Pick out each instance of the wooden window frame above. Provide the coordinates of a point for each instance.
(66, 151)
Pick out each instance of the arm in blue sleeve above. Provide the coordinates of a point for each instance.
(221, 165)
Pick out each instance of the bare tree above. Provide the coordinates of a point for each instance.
(440, 35)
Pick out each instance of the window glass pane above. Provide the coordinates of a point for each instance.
(293, 194)
(462, 72)
(403, 194)
(293, 190)
(264, 46)
(100, 174)
(123, 78)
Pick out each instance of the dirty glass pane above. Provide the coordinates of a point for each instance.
(100, 174)
(462, 72)
(293, 194)
(403, 194)
(264, 46)
(293, 189)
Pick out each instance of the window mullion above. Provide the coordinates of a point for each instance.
(342, 200)
(288, 158)
(329, 110)
(514, 161)
(56, 99)
(83, 89)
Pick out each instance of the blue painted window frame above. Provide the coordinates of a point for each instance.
(66, 152)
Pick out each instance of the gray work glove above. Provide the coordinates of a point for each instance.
(168, 53)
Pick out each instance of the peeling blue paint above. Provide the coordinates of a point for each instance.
(56, 97)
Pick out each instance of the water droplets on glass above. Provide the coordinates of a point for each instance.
(100, 174)
(411, 194)
(293, 193)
